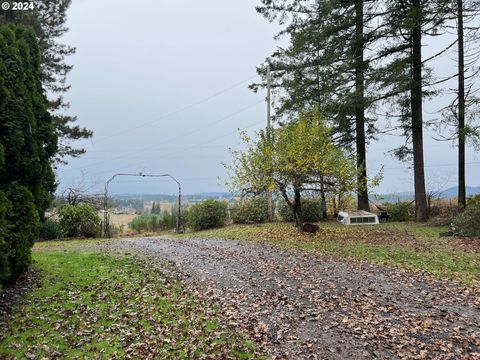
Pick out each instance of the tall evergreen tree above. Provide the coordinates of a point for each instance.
(462, 114)
(346, 56)
(48, 20)
(406, 77)
(325, 67)
(28, 144)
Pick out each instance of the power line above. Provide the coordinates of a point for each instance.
(208, 98)
(154, 146)
(140, 149)
(185, 148)
(156, 181)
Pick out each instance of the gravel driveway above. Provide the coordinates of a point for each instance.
(301, 305)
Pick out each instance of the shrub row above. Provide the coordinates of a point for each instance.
(214, 213)
(83, 221)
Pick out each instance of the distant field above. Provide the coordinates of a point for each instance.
(164, 206)
(124, 219)
(121, 219)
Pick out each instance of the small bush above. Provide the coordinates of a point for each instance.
(251, 211)
(115, 230)
(139, 223)
(79, 221)
(153, 222)
(468, 222)
(401, 211)
(312, 211)
(169, 221)
(50, 229)
(145, 222)
(473, 200)
(285, 212)
(207, 214)
(434, 210)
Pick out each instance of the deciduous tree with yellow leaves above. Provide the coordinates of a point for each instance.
(296, 157)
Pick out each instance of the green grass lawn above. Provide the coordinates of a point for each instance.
(93, 305)
(412, 246)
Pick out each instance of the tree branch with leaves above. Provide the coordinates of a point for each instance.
(299, 156)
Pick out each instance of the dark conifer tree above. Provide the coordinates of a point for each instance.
(408, 78)
(461, 116)
(28, 144)
(48, 20)
(325, 67)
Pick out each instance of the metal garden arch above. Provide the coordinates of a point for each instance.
(106, 219)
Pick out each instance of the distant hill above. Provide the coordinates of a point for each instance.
(173, 197)
(408, 196)
(453, 191)
(400, 196)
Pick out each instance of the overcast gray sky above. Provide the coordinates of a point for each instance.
(163, 84)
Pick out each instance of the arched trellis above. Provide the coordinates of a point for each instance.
(106, 220)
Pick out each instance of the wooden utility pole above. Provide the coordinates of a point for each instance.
(269, 126)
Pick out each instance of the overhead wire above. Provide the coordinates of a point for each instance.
(171, 139)
(185, 148)
(186, 107)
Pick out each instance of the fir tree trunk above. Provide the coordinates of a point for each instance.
(461, 109)
(362, 191)
(416, 113)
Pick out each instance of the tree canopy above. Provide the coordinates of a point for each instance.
(361, 63)
(296, 157)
